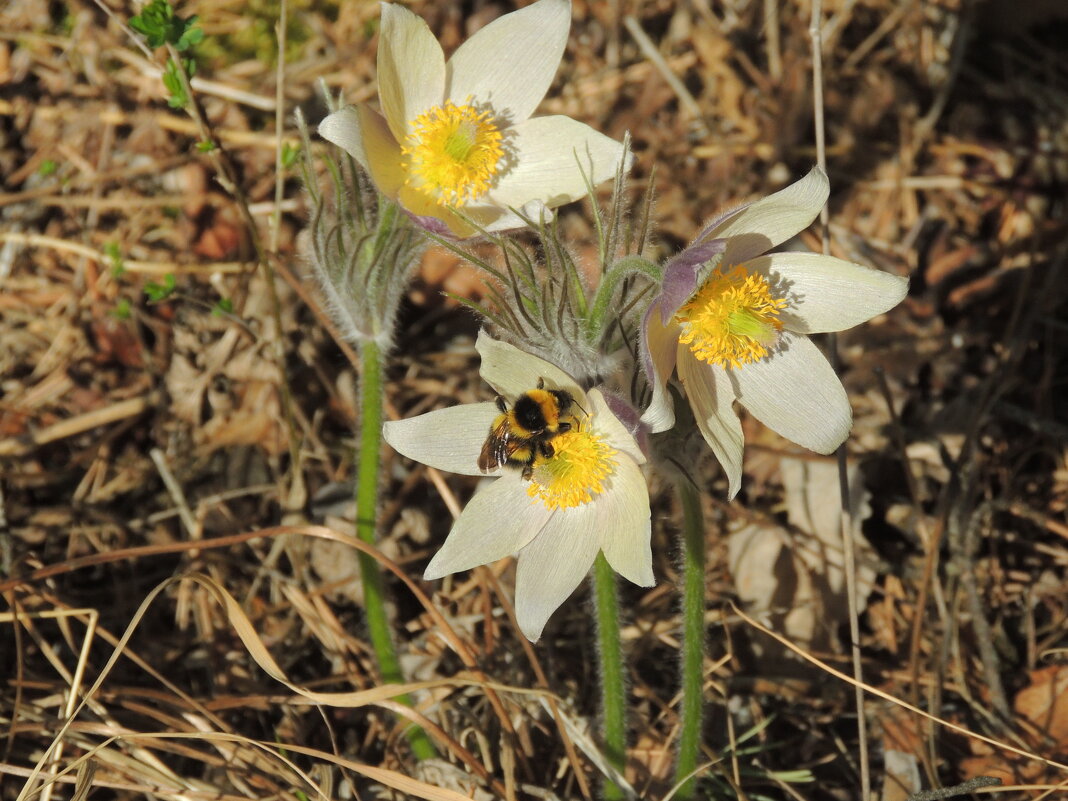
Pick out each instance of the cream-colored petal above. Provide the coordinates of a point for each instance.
(552, 565)
(489, 218)
(611, 427)
(624, 525)
(711, 397)
(362, 133)
(510, 63)
(496, 219)
(448, 439)
(772, 220)
(411, 68)
(825, 293)
(659, 344)
(496, 523)
(550, 155)
(511, 371)
(343, 129)
(470, 222)
(796, 393)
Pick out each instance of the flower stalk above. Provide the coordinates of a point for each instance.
(368, 467)
(363, 251)
(693, 639)
(613, 683)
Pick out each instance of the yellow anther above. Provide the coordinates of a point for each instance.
(732, 320)
(454, 153)
(576, 471)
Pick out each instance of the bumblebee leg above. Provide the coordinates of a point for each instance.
(546, 449)
(541, 383)
(528, 471)
(501, 404)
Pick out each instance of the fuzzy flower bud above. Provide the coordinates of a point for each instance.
(362, 247)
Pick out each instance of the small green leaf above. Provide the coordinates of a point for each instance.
(48, 166)
(121, 310)
(158, 23)
(152, 23)
(289, 155)
(172, 81)
(158, 292)
(222, 306)
(190, 36)
(204, 146)
(177, 98)
(111, 250)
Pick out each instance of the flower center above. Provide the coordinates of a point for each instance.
(732, 320)
(453, 153)
(576, 471)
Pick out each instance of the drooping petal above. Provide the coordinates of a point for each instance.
(511, 371)
(510, 63)
(772, 220)
(796, 393)
(611, 427)
(470, 221)
(658, 344)
(630, 418)
(362, 133)
(420, 206)
(716, 221)
(433, 224)
(549, 156)
(711, 397)
(624, 524)
(499, 521)
(825, 293)
(411, 68)
(552, 565)
(680, 275)
(496, 219)
(500, 220)
(448, 439)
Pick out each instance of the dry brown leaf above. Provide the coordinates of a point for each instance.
(439, 773)
(338, 566)
(902, 743)
(1044, 704)
(257, 421)
(794, 581)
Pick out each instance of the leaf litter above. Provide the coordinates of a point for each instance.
(948, 151)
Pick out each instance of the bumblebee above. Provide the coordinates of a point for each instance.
(522, 433)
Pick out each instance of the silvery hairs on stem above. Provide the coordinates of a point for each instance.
(537, 297)
(362, 246)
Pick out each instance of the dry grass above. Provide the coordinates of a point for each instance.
(141, 442)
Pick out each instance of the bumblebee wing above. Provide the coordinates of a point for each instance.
(497, 448)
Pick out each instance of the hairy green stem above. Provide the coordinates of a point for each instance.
(613, 685)
(378, 627)
(624, 268)
(693, 638)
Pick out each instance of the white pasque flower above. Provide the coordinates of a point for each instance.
(733, 324)
(590, 496)
(458, 134)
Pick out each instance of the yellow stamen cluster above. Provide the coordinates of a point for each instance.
(575, 473)
(732, 320)
(453, 153)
